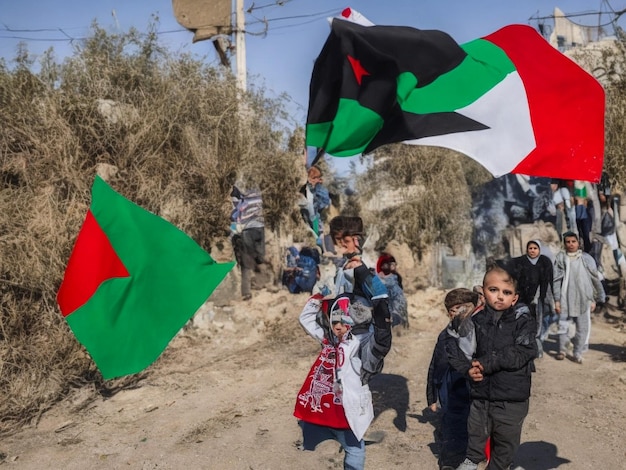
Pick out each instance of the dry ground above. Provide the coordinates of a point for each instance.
(222, 396)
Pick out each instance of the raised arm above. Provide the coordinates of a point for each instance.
(375, 347)
(308, 317)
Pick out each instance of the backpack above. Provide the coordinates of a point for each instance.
(306, 275)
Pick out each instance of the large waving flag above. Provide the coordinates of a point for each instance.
(508, 100)
(131, 283)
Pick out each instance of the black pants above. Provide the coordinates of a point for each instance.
(249, 248)
(500, 420)
(453, 445)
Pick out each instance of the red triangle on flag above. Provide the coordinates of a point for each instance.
(92, 262)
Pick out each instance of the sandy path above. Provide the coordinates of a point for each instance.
(223, 398)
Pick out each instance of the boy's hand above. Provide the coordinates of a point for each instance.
(475, 374)
(315, 301)
(433, 407)
(476, 371)
(354, 262)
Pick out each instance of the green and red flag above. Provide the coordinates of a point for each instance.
(132, 281)
(508, 100)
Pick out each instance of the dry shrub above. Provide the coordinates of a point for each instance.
(165, 130)
(608, 66)
(615, 157)
(436, 209)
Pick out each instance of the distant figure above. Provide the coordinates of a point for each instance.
(248, 235)
(302, 270)
(386, 270)
(577, 291)
(584, 222)
(315, 200)
(447, 390)
(610, 219)
(387, 265)
(563, 207)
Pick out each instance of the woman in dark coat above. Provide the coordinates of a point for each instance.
(534, 273)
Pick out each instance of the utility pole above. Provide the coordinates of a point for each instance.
(240, 45)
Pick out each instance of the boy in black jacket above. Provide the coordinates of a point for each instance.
(447, 390)
(500, 372)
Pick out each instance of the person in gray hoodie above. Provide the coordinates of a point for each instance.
(577, 290)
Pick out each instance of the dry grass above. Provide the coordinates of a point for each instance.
(165, 131)
(436, 208)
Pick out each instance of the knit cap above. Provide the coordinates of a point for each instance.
(340, 311)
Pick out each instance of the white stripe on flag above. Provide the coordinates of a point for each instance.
(509, 139)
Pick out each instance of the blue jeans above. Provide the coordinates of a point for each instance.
(354, 449)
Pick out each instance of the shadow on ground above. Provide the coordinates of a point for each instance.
(429, 416)
(616, 353)
(538, 455)
(390, 391)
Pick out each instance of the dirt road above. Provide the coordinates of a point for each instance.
(223, 397)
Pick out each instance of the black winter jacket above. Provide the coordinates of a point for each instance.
(506, 347)
(532, 276)
(444, 383)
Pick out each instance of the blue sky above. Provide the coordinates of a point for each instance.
(281, 60)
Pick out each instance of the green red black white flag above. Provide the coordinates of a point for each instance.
(508, 100)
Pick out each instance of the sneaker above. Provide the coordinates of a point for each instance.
(467, 464)
(578, 358)
(560, 356)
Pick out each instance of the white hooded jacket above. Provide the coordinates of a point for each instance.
(357, 398)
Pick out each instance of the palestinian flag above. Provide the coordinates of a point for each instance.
(509, 100)
(131, 283)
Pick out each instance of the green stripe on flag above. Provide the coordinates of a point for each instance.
(128, 322)
(353, 128)
(485, 66)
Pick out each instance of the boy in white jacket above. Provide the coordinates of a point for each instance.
(335, 401)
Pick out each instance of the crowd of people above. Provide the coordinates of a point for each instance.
(479, 377)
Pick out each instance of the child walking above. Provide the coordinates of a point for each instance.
(335, 401)
(447, 390)
(500, 372)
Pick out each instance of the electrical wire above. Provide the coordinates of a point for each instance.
(312, 17)
(321, 13)
(277, 3)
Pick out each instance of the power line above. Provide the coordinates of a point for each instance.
(68, 37)
(277, 3)
(42, 39)
(266, 21)
(615, 16)
(321, 13)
